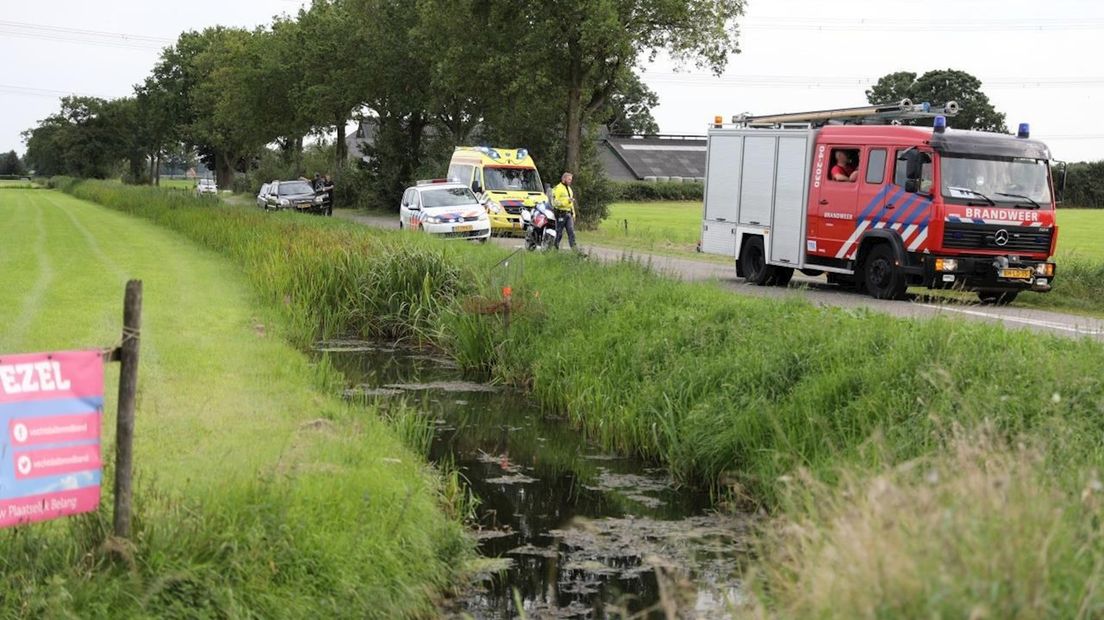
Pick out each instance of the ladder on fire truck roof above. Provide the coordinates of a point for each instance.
(866, 115)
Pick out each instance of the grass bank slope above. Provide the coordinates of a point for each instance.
(259, 494)
(752, 394)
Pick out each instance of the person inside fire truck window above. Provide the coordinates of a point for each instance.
(846, 168)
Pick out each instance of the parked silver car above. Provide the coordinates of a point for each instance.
(262, 196)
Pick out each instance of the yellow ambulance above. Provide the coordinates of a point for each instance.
(506, 179)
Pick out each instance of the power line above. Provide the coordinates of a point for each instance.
(820, 81)
(80, 31)
(13, 89)
(914, 25)
(97, 38)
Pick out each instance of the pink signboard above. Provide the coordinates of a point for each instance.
(51, 410)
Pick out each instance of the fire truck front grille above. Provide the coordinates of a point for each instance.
(986, 236)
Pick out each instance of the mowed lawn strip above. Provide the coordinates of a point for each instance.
(1081, 233)
(323, 506)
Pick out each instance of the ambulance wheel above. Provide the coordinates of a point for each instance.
(781, 276)
(997, 298)
(882, 276)
(754, 262)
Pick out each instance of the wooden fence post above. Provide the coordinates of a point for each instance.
(124, 425)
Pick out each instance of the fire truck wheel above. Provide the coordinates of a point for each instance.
(882, 277)
(754, 262)
(781, 276)
(997, 298)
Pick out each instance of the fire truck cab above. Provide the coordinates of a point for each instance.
(906, 206)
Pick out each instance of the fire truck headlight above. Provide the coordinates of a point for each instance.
(1044, 269)
(946, 264)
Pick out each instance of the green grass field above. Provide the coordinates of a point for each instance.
(15, 184)
(1081, 233)
(188, 184)
(259, 493)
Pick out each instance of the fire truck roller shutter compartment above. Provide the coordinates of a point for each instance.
(722, 192)
(757, 191)
(787, 240)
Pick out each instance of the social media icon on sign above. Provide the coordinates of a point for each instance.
(19, 431)
(24, 464)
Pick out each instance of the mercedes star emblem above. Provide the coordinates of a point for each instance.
(1001, 238)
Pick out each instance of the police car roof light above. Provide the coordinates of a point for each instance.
(1024, 131)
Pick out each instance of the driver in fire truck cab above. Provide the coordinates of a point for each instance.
(846, 168)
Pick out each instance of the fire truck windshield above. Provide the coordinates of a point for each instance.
(1001, 179)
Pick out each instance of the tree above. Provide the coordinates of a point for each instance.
(589, 45)
(337, 63)
(11, 165)
(629, 111)
(87, 137)
(939, 87)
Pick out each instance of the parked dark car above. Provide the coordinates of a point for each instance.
(294, 195)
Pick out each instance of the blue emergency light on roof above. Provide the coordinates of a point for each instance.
(1024, 131)
(940, 124)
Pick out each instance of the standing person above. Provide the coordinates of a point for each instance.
(563, 202)
(317, 182)
(328, 187)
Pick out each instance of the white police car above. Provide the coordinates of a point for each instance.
(444, 209)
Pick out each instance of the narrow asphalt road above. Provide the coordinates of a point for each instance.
(817, 291)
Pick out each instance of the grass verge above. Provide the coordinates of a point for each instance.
(738, 392)
(259, 495)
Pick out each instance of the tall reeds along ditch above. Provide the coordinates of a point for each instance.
(736, 392)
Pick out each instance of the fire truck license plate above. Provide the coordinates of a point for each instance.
(1016, 274)
(462, 228)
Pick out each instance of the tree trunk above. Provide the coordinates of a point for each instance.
(157, 171)
(574, 129)
(341, 152)
(297, 153)
(224, 171)
(152, 160)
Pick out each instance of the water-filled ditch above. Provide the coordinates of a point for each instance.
(566, 529)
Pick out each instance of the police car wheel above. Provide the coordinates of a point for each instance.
(997, 298)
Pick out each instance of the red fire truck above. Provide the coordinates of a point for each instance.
(853, 194)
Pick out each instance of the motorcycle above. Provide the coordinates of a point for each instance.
(539, 224)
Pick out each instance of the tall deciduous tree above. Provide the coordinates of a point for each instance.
(337, 62)
(941, 86)
(590, 44)
(10, 164)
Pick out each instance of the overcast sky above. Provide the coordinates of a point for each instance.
(1040, 62)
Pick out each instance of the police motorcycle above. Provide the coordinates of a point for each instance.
(539, 224)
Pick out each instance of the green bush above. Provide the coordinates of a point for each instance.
(1084, 185)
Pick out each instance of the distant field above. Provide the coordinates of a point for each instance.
(15, 183)
(662, 227)
(673, 227)
(178, 183)
(1081, 233)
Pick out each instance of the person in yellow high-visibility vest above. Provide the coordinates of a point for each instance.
(563, 202)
